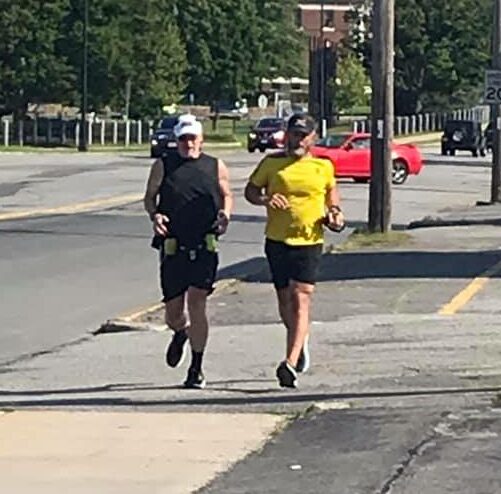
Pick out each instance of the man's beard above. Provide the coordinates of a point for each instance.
(297, 151)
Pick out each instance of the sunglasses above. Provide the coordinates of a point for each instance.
(187, 137)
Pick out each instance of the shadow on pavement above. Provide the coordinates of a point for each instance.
(381, 265)
(280, 397)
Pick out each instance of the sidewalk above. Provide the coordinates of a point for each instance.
(418, 387)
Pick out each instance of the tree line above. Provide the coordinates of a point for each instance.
(442, 49)
(163, 50)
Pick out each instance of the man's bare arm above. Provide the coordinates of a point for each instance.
(224, 188)
(153, 187)
(335, 216)
(160, 221)
(332, 198)
(255, 195)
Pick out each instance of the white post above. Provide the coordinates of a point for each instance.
(103, 132)
(115, 132)
(139, 132)
(21, 132)
(89, 133)
(413, 124)
(420, 123)
(406, 125)
(127, 133)
(77, 134)
(6, 133)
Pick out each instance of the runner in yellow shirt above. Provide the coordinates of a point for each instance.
(300, 195)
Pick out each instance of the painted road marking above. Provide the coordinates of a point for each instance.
(140, 312)
(80, 207)
(136, 314)
(465, 295)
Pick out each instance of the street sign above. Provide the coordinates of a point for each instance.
(492, 94)
(262, 102)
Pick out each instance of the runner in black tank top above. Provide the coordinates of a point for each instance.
(189, 201)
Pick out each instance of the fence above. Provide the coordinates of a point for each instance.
(58, 132)
(427, 122)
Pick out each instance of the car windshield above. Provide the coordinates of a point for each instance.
(168, 123)
(269, 122)
(332, 141)
(458, 125)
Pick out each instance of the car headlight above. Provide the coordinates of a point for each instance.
(279, 135)
(252, 135)
(394, 155)
(154, 142)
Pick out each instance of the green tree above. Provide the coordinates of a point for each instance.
(232, 44)
(351, 84)
(129, 41)
(441, 51)
(31, 70)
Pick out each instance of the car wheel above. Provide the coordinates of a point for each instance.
(482, 152)
(360, 180)
(444, 151)
(475, 153)
(262, 150)
(452, 152)
(400, 172)
(251, 150)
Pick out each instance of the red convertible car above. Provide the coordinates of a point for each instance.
(351, 156)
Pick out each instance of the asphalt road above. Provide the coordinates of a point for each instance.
(415, 386)
(66, 274)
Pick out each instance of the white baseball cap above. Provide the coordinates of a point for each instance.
(188, 124)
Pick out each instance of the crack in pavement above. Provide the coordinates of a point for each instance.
(403, 466)
(30, 356)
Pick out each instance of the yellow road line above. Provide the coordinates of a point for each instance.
(140, 312)
(80, 207)
(465, 295)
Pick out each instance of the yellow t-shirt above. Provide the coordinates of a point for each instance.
(304, 182)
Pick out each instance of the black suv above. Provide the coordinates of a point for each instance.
(464, 135)
(269, 132)
(163, 139)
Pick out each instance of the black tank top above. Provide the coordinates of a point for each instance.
(190, 197)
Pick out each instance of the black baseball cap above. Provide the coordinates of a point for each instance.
(301, 122)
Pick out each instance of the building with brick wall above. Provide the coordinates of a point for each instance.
(335, 28)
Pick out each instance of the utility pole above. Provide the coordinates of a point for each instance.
(82, 145)
(495, 109)
(383, 22)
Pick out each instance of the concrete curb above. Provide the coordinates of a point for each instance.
(129, 324)
(432, 222)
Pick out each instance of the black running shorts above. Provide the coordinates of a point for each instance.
(288, 262)
(178, 273)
